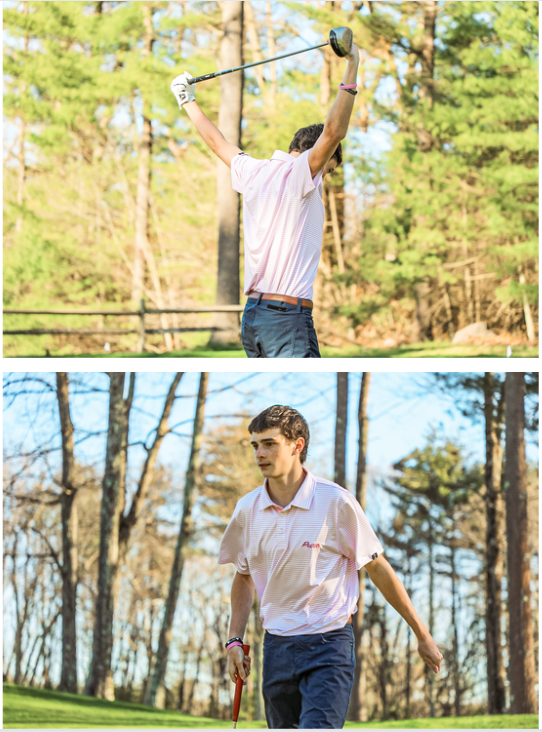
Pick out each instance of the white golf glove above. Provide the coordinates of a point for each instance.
(183, 91)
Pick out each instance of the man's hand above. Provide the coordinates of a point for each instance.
(238, 663)
(353, 56)
(430, 654)
(183, 91)
(383, 576)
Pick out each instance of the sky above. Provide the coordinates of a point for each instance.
(402, 408)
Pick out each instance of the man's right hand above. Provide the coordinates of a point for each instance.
(238, 663)
(182, 90)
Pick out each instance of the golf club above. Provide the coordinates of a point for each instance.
(238, 692)
(340, 40)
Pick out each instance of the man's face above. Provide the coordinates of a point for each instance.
(274, 454)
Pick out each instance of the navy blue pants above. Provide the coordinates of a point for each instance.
(307, 679)
(272, 329)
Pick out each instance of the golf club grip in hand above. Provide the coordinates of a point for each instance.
(238, 692)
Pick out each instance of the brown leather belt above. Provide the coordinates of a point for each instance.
(282, 298)
(349, 620)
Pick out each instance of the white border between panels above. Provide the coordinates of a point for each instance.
(164, 365)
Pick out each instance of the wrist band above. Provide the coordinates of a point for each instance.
(232, 640)
(350, 89)
(232, 645)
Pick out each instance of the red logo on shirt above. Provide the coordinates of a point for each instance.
(311, 546)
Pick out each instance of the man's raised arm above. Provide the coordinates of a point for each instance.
(185, 95)
(338, 119)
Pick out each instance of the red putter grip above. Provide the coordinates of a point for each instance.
(238, 691)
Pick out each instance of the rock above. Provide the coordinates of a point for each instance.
(474, 330)
(389, 343)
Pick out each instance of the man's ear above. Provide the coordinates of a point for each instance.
(299, 445)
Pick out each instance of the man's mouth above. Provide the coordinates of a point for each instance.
(263, 466)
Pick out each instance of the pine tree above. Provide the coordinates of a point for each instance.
(463, 213)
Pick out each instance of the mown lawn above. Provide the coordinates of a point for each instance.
(430, 349)
(40, 709)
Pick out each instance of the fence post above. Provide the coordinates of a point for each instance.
(141, 334)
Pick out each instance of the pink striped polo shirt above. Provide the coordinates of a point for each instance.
(283, 222)
(304, 558)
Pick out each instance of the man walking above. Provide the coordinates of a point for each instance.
(283, 220)
(298, 541)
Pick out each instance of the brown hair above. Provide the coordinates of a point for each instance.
(291, 424)
(306, 137)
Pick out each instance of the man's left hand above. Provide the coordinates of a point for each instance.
(430, 654)
(183, 91)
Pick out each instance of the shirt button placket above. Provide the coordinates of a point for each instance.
(281, 531)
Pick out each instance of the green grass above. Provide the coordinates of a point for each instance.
(429, 349)
(40, 709)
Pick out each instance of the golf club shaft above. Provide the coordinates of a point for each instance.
(206, 77)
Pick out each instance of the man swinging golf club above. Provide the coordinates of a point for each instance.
(283, 215)
(298, 541)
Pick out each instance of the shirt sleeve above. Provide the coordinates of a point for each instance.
(357, 540)
(243, 168)
(300, 180)
(232, 546)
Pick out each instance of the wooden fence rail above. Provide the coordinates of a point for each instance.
(141, 331)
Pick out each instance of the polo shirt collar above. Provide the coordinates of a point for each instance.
(284, 157)
(303, 497)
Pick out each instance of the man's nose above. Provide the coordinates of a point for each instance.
(260, 452)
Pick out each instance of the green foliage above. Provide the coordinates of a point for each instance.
(474, 192)
(78, 79)
(433, 483)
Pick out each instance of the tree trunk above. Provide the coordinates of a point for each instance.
(19, 619)
(229, 123)
(422, 330)
(529, 324)
(21, 173)
(257, 654)
(128, 522)
(422, 324)
(408, 657)
(201, 651)
(143, 179)
(494, 542)
(100, 679)
(357, 711)
(521, 669)
(455, 640)
(254, 45)
(427, 59)
(185, 534)
(341, 421)
(68, 675)
(383, 670)
(428, 673)
(271, 49)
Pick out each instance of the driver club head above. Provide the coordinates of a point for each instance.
(340, 40)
